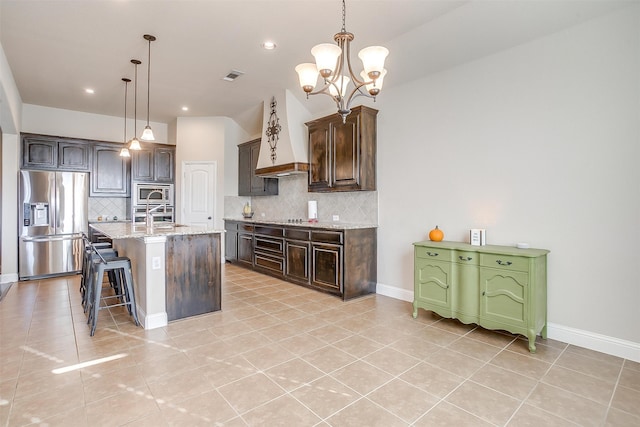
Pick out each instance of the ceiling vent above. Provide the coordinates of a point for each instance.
(233, 74)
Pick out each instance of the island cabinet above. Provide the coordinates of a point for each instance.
(110, 173)
(496, 287)
(342, 156)
(52, 152)
(153, 163)
(342, 262)
(193, 283)
(249, 184)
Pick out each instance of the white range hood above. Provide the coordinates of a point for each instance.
(283, 148)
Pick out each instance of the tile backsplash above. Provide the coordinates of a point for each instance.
(292, 198)
(109, 207)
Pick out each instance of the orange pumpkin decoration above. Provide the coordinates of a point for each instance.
(436, 235)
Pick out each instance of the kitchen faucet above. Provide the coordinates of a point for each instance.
(148, 216)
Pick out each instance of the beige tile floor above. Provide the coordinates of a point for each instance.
(279, 354)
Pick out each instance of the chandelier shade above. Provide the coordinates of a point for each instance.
(333, 64)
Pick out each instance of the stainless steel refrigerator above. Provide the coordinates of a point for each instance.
(53, 216)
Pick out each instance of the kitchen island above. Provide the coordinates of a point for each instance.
(176, 269)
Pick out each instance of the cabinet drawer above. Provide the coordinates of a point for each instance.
(275, 264)
(328, 236)
(245, 227)
(506, 262)
(434, 253)
(269, 231)
(291, 233)
(271, 246)
(464, 257)
(231, 226)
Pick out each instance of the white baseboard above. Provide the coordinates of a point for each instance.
(393, 292)
(591, 340)
(151, 321)
(8, 278)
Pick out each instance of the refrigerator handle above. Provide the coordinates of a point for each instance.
(57, 199)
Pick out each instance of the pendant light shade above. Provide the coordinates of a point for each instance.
(134, 144)
(124, 152)
(147, 134)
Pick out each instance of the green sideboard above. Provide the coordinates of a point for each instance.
(496, 287)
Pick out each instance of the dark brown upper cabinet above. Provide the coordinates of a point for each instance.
(153, 163)
(342, 156)
(52, 152)
(110, 174)
(248, 183)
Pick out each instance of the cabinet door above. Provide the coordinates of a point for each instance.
(297, 260)
(164, 164)
(231, 244)
(346, 152)
(248, 183)
(109, 172)
(327, 267)
(503, 300)
(39, 152)
(73, 155)
(319, 160)
(142, 164)
(245, 248)
(432, 286)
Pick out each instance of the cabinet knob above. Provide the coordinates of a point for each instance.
(500, 262)
(432, 253)
(462, 258)
(208, 217)
(483, 293)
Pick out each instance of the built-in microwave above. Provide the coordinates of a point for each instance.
(154, 194)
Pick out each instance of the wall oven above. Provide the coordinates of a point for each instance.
(158, 194)
(163, 214)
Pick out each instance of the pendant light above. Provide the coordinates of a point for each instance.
(147, 134)
(134, 144)
(124, 152)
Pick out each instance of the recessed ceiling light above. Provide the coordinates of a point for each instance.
(268, 45)
(89, 90)
(185, 108)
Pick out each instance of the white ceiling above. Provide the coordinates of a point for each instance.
(56, 49)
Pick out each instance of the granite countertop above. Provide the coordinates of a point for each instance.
(111, 221)
(336, 225)
(129, 230)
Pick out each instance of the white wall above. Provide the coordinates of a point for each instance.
(207, 139)
(10, 118)
(537, 144)
(76, 124)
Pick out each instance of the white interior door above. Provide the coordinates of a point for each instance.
(199, 193)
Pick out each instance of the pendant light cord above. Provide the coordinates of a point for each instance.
(148, 80)
(344, 16)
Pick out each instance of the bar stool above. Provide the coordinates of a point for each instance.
(107, 252)
(121, 268)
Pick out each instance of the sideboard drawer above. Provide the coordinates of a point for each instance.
(465, 257)
(434, 253)
(505, 262)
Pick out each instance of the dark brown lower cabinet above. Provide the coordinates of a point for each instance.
(327, 267)
(298, 261)
(245, 248)
(193, 276)
(339, 261)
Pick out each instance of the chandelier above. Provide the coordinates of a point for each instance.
(333, 63)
